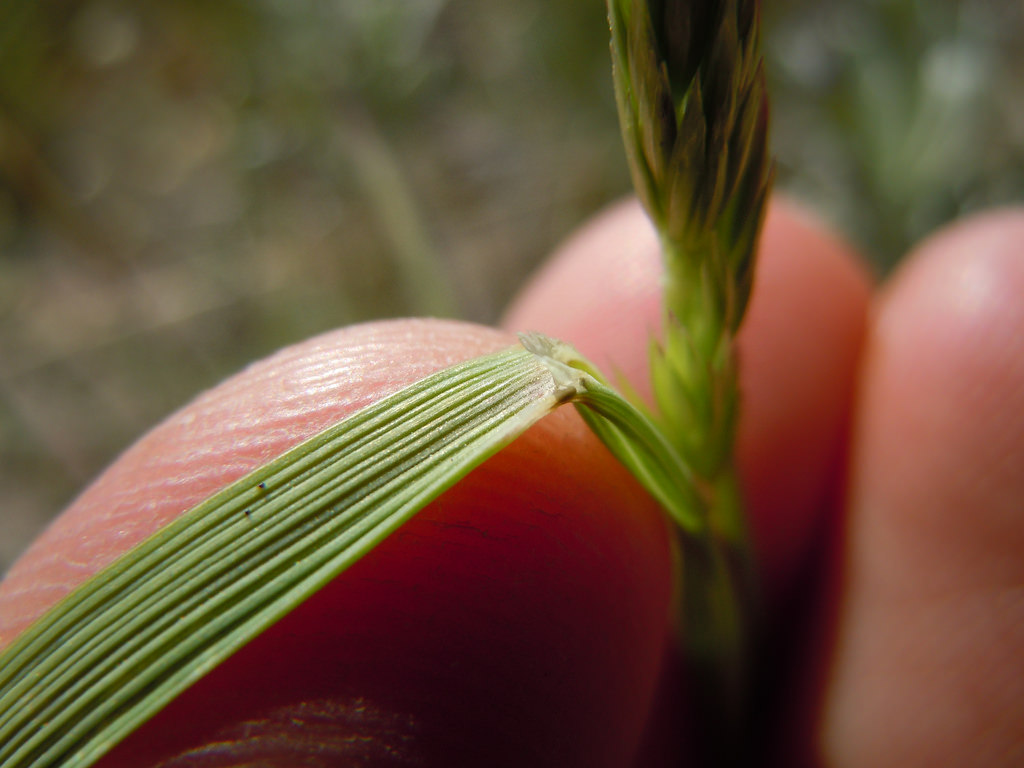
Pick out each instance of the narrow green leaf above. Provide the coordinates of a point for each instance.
(630, 434)
(124, 644)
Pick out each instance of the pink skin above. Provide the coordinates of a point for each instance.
(532, 598)
(929, 665)
(799, 347)
(922, 665)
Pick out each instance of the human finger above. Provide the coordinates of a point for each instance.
(926, 665)
(518, 620)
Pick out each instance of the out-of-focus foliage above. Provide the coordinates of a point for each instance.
(186, 185)
(895, 116)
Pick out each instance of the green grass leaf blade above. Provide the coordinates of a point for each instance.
(715, 581)
(125, 643)
(628, 432)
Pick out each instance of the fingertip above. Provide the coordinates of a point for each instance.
(520, 618)
(928, 667)
(943, 398)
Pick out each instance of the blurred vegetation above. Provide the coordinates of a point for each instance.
(187, 185)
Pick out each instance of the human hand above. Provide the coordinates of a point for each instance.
(522, 618)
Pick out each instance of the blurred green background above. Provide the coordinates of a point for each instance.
(187, 185)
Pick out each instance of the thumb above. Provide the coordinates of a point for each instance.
(520, 619)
